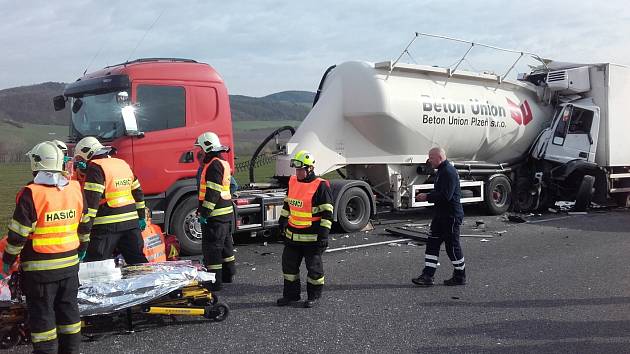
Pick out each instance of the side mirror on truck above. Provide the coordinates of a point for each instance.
(129, 120)
(59, 102)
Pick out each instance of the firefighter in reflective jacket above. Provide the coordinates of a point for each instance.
(115, 204)
(305, 221)
(216, 212)
(43, 233)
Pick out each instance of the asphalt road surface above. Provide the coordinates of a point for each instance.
(555, 284)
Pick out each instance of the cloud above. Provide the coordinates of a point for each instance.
(260, 47)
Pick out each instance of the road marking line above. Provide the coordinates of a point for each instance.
(552, 219)
(367, 245)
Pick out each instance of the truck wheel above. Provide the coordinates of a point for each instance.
(498, 195)
(525, 197)
(186, 227)
(353, 211)
(585, 193)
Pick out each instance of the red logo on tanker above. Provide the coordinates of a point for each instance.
(521, 114)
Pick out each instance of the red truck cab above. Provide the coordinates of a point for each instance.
(174, 100)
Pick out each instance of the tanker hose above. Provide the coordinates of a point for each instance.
(321, 84)
(252, 162)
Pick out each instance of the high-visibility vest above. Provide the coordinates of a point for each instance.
(118, 181)
(58, 215)
(223, 188)
(300, 200)
(154, 248)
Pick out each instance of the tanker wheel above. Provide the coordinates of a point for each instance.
(353, 210)
(10, 338)
(186, 227)
(525, 196)
(217, 312)
(585, 193)
(498, 195)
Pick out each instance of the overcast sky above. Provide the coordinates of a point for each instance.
(261, 47)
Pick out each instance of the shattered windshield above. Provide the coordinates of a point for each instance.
(100, 116)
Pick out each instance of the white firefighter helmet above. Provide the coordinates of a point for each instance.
(89, 147)
(61, 145)
(46, 156)
(209, 142)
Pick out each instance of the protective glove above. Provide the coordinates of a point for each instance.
(82, 255)
(5, 271)
(142, 223)
(81, 165)
(202, 220)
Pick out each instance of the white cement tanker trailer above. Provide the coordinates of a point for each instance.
(558, 133)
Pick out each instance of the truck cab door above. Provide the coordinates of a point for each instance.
(574, 134)
(161, 154)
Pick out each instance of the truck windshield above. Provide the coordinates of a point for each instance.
(100, 116)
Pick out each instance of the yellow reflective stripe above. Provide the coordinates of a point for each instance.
(110, 219)
(112, 195)
(319, 281)
(135, 184)
(284, 213)
(214, 266)
(215, 186)
(229, 259)
(55, 229)
(69, 329)
(50, 264)
(325, 223)
(301, 214)
(47, 241)
(208, 205)
(37, 337)
(19, 228)
(222, 211)
(301, 222)
(84, 237)
(94, 187)
(91, 212)
(14, 250)
(324, 207)
(291, 277)
(140, 205)
(85, 218)
(301, 237)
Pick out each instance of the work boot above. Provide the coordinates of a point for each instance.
(310, 303)
(423, 280)
(218, 280)
(458, 278)
(229, 270)
(284, 301)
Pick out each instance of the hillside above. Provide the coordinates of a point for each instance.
(33, 105)
(27, 116)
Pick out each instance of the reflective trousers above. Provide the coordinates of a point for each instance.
(53, 315)
(292, 259)
(217, 247)
(444, 230)
(128, 242)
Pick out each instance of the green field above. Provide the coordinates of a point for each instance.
(22, 139)
(254, 125)
(13, 177)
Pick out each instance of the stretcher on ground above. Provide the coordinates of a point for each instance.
(164, 289)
